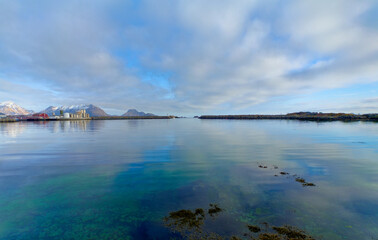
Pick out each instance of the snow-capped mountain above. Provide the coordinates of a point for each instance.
(135, 113)
(10, 108)
(91, 109)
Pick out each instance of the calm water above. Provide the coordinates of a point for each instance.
(118, 179)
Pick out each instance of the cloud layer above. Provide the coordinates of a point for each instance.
(185, 56)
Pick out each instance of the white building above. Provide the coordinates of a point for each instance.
(80, 115)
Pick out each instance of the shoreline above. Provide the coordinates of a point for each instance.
(319, 117)
(7, 120)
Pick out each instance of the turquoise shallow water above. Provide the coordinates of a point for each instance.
(118, 179)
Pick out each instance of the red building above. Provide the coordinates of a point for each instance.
(34, 117)
(39, 116)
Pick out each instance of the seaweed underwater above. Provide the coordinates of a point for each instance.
(297, 179)
(190, 225)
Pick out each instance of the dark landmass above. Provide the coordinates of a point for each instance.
(135, 113)
(304, 116)
(95, 111)
(132, 117)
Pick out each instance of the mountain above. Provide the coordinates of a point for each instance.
(10, 108)
(91, 109)
(135, 113)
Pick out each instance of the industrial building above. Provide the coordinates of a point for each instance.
(82, 114)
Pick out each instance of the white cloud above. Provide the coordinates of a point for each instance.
(216, 53)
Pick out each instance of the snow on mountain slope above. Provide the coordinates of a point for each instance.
(91, 109)
(10, 108)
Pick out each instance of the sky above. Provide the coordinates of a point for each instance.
(191, 57)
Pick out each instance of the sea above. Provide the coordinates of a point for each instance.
(122, 179)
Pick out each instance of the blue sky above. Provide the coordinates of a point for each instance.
(191, 57)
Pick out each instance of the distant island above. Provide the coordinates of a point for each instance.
(135, 113)
(304, 116)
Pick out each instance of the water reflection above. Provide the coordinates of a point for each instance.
(12, 129)
(76, 125)
(135, 123)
